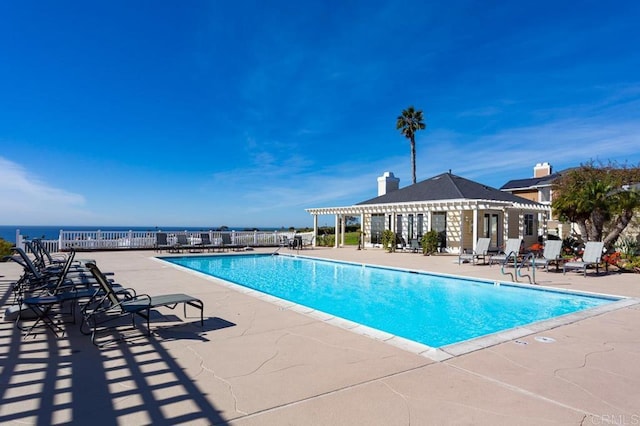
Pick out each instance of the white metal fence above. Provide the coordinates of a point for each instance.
(116, 240)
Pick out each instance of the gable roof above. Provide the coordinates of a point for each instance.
(445, 186)
(530, 182)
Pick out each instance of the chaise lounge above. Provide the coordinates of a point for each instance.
(550, 254)
(480, 252)
(511, 249)
(110, 305)
(591, 256)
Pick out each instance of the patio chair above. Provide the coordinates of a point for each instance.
(482, 247)
(205, 242)
(181, 243)
(35, 279)
(511, 249)
(38, 303)
(591, 256)
(307, 240)
(550, 254)
(227, 244)
(45, 261)
(283, 241)
(43, 258)
(415, 245)
(161, 242)
(110, 306)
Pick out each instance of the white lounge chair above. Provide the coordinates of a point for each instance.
(482, 247)
(550, 254)
(512, 248)
(592, 256)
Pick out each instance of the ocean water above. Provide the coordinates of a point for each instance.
(8, 232)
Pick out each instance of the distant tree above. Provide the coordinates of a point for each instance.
(352, 220)
(598, 198)
(409, 122)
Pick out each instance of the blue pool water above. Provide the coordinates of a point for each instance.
(429, 309)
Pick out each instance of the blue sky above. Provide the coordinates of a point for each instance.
(210, 113)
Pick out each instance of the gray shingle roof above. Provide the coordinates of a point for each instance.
(445, 186)
(530, 182)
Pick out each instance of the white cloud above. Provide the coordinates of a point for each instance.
(27, 199)
(511, 154)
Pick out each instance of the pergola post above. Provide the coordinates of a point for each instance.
(337, 232)
(475, 227)
(362, 233)
(505, 225)
(521, 224)
(315, 230)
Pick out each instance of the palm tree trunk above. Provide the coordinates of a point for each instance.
(621, 223)
(413, 158)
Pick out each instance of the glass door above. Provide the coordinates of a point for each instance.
(439, 225)
(491, 228)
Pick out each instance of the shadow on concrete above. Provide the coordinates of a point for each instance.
(49, 380)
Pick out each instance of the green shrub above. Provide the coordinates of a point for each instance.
(627, 246)
(326, 240)
(429, 242)
(5, 248)
(389, 240)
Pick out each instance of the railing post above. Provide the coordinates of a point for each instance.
(19, 240)
(61, 246)
(130, 238)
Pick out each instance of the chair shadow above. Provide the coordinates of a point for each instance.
(191, 330)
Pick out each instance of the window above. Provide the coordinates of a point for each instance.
(545, 195)
(399, 225)
(377, 228)
(528, 224)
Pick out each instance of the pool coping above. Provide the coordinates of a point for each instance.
(436, 354)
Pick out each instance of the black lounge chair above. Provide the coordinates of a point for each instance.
(161, 242)
(43, 258)
(227, 244)
(35, 279)
(110, 306)
(39, 303)
(205, 242)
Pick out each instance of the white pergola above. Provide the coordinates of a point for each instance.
(426, 207)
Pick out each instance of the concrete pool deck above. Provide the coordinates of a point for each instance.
(255, 362)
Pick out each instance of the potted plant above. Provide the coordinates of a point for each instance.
(361, 236)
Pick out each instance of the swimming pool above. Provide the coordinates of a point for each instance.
(429, 309)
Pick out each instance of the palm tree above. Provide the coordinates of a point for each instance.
(409, 122)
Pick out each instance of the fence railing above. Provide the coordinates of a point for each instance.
(129, 240)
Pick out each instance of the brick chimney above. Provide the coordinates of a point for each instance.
(387, 183)
(541, 170)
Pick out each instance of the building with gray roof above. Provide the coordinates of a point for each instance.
(459, 209)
